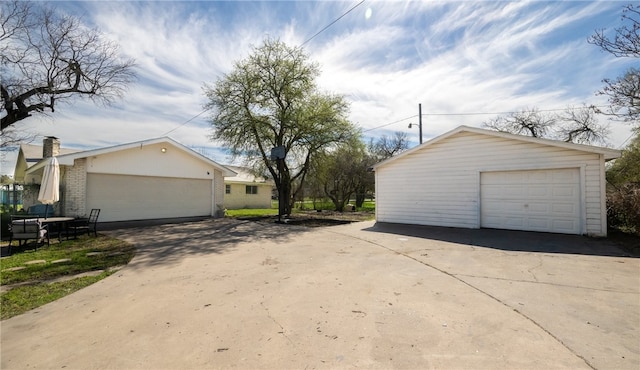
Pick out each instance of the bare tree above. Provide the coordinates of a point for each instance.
(49, 57)
(624, 96)
(626, 40)
(575, 124)
(530, 122)
(386, 147)
(579, 125)
(624, 91)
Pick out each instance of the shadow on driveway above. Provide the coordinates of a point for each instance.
(507, 240)
(163, 244)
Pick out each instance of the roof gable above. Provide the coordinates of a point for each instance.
(244, 175)
(29, 155)
(606, 152)
(68, 159)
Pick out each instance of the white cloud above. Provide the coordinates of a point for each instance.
(453, 57)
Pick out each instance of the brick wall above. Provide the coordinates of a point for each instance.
(75, 189)
(218, 193)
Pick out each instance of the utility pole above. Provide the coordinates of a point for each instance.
(419, 122)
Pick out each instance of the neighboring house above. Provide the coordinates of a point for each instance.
(475, 178)
(245, 190)
(150, 179)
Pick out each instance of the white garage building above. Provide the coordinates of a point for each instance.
(476, 178)
(151, 179)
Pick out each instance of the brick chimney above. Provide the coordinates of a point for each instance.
(50, 147)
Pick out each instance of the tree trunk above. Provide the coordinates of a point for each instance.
(283, 184)
(360, 196)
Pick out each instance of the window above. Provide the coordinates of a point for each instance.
(252, 189)
(227, 189)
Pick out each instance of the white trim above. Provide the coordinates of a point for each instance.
(479, 195)
(583, 199)
(582, 186)
(603, 198)
(527, 168)
(607, 153)
(213, 196)
(68, 159)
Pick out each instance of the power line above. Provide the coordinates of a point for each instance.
(332, 23)
(391, 123)
(512, 112)
(625, 142)
(309, 39)
(184, 123)
(468, 114)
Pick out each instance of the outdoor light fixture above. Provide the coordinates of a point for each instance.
(164, 150)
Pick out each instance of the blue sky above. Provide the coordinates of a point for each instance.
(385, 57)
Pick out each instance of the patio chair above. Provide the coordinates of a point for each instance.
(86, 224)
(24, 229)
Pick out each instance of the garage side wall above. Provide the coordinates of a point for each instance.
(152, 181)
(439, 185)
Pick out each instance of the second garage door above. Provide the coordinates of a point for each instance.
(123, 197)
(540, 200)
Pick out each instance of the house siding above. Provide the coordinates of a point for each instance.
(440, 185)
(238, 198)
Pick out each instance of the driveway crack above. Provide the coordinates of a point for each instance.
(535, 267)
(282, 329)
(571, 350)
(547, 283)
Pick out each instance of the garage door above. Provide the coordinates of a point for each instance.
(143, 197)
(541, 200)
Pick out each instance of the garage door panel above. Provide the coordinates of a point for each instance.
(122, 197)
(537, 178)
(538, 208)
(537, 200)
(563, 191)
(537, 223)
(537, 191)
(564, 208)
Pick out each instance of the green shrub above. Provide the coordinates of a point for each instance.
(623, 208)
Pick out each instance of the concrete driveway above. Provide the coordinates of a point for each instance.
(234, 294)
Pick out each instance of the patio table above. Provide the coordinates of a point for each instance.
(59, 223)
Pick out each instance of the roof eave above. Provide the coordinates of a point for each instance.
(607, 153)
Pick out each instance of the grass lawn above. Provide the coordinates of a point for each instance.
(72, 258)
(255, 212)
(368, 206)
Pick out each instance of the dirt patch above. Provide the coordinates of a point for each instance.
(316, 219)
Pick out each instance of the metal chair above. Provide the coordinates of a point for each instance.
(24, 229)
(89, 224)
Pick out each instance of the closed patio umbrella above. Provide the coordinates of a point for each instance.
(50, 185)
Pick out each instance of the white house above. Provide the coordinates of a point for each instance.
(245, 190)
(476, 178)
(150, 179)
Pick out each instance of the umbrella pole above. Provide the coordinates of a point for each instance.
(46, 211)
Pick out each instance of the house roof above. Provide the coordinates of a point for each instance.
(244, 175)
(68, 159)
(33, 153)
(608, 153)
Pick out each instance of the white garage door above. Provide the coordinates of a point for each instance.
(541, 200)
(143, 197)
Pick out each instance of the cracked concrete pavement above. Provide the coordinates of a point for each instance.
(238, 294)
